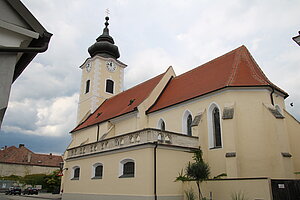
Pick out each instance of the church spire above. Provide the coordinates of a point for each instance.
(104, 45)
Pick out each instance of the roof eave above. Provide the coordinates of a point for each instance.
(246, 86)
(36, 46)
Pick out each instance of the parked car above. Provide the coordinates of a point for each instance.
(14, 190)
(30, 190)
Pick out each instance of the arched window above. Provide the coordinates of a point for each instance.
(87, 86)
(109, 86)
(76, 173)
(189, 125)
(97, 171)
(127, 168)
(161, 125)
(214, 126)
(187, 120)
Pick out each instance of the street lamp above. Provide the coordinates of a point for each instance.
(297, 39)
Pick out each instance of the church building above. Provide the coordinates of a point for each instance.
(132, 144)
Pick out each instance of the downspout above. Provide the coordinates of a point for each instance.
(271, 95)
(155, 192)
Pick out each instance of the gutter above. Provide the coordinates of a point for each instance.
(154, 173)
(45, 39)
(36, 46)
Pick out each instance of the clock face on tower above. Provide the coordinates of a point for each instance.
(88, 67)
(110, 66)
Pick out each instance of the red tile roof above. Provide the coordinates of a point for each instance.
(121, 103)
(236, 68)
(21, 155)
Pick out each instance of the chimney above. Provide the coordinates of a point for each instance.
(50, 155)
(29, 157)
(21, 145)
(5, 147)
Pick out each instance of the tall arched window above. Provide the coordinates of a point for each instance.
(189, 125)
(214, 126)
(127, 168)
(187, 120)
(87, 86)
(161, 125)
(109, 86)
(76, 173)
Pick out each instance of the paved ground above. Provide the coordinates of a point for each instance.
(48, 196)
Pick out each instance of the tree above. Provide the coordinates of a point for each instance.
(53, 181)
(197, 171)
(34, 179)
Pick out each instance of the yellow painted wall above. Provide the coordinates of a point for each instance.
(224, 189)
(127, 124)
(87, 135)
(257, 137)
(141, 184)
(169, 165)
(293, 127)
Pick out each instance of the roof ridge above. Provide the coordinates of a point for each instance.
(44, 154)
(236, 61)
(157, 83)
(211, 61)
(257, 66)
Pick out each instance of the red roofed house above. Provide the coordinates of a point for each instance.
(132, 144)
(21, 161)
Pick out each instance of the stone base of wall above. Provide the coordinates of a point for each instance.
(76, 196)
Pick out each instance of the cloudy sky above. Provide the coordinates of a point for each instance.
(151, 35)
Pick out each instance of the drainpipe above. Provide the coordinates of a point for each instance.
(155, 193)
(271, 95)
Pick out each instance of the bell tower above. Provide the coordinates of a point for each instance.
(102, 75)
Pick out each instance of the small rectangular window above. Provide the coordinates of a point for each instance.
(76, 173)
(87, 86)
(109, 86)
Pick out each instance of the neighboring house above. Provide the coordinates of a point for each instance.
(22, 37)
(132, 144)
(21, 161)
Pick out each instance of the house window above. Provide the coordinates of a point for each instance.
(161, 125)
(87, 86)
(214, 127)
(187, 120)
(76, 173)
(127, 168)
(109, 86)
(97, 171)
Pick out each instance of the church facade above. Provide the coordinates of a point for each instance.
(132, 144)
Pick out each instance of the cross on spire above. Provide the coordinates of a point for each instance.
(107, 12)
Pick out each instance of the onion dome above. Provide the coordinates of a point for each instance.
(104, 45)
